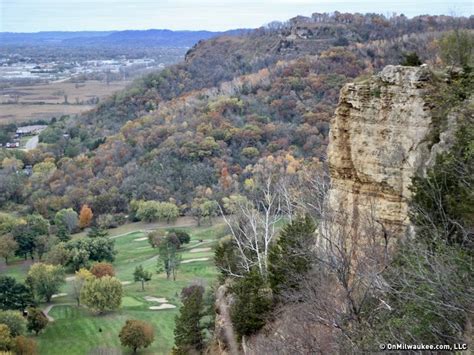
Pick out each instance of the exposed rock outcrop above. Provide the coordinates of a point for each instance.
(225, 340)
(381, 136)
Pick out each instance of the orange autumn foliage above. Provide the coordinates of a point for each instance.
(85, 217)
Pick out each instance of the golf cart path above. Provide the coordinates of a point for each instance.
(50, 307)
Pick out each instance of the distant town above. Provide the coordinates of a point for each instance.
(17, 67)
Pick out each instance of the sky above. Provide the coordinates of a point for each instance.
(214, 15)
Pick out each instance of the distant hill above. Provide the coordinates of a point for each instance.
(153, 37)
(51, 37)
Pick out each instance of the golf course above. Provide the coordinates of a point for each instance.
(77, 330)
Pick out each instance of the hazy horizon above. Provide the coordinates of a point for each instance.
(211, 15)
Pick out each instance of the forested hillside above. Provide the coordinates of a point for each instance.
(192, 131)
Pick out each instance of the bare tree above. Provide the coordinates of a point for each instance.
(253, 226)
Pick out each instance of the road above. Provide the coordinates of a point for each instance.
(32, 143)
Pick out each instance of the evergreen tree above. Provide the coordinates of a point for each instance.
(14, 295)
(252, 304)
(443, 200)
(290, 256)
(411, 60)
(188, 334)
(142, 275)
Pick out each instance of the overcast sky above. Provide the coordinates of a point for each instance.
(74, 15)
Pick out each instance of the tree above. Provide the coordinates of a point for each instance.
(24, 346)
(457, 48)
(58, 255)
(37, 321)
(102, 294)
(252, 303)
(168, 211)
(136, 334)
(156, 237)
(45, 280)
(148, 211)
(14, 295)
(14, 321)
(66, 220)
(169, 257)
(411, 60)
(25, 244)
(37, 225)
(442, 203)
(196, 210)
(8, 246)
(102, 269)
(203, 209)
(142, 275)
(43, 244)
(84, 250)
(25, 234)
(253, 225)
(226, 259)
(85, 216)
(188, 336)
(427, 285)
(5, 337)
(96, 232)
(290, 256)
(8, 223)
(80, 278)
(183, 236)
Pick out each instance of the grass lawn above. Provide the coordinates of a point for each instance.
(77, 331)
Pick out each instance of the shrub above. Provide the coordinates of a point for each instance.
(24, 346)
(5, 337)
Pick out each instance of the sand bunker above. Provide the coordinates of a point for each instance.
(140, 239)
(193, 260)
(126, 282)
(59, 295)
(199, 250)
(162, 306)
(156, 299)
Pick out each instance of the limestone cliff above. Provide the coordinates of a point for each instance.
(380, 138)
(386, 129)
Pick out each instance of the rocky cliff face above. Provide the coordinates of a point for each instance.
(380, 138)
(384, 132)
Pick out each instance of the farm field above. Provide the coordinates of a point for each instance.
(48, 100)
(82, 332)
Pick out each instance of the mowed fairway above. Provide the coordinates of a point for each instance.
(77, 331)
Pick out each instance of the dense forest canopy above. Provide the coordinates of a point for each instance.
(194, 129)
